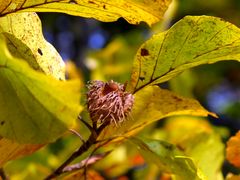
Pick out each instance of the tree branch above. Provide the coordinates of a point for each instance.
(83, 148)
(86, 162)
(3, 175)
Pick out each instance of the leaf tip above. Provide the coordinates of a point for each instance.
(213, 114)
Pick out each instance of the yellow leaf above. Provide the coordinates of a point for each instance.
(151, 104)
(182, 128)
(134, 11)
(23, 32)
(34, 108)
(192, 41)
(196, 138)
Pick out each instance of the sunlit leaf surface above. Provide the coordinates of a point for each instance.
(134, 11)
(23, 32)
(34, 108)
(151, 104)
(192, 41)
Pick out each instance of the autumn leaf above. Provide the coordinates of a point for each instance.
(23, 33)
(149, 11)
(34, 108)
(231, 176)
(90, 175)
(233, 150)
(10, 150)
(151, 104)
(168, 159)
(195, 137)
(192, 41)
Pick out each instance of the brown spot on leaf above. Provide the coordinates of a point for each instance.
(168, 146)
(177, 98)
(73, 2)
(144, 52)
(91, 2)
(2, 123)
(104, 6)
(40, 51)
(142, 78)
(179, 146)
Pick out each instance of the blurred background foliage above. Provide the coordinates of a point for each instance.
(95, 50)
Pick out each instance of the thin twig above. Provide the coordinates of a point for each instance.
(83, 148)
(3, 175)
(79, 135)
(86, 162)
(91, 155)
(85, 123)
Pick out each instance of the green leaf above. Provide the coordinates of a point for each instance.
(184, 83)
(192, 41)
(149, 11)
(151, 104)
(196, 138)
(34, 108)
(168, 158)
(23, 32)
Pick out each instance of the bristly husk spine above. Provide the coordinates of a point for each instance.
(108, 102)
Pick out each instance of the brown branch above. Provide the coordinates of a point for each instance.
(3, 175)
(86, 162)
(83, 148)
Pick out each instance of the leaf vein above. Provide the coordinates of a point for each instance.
(215, 35)
(139, 73)
(187, 38)
(159, 52)
(6, 7)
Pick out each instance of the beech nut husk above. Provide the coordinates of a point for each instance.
(108, 102)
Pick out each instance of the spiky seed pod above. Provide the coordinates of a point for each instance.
(108, 102)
